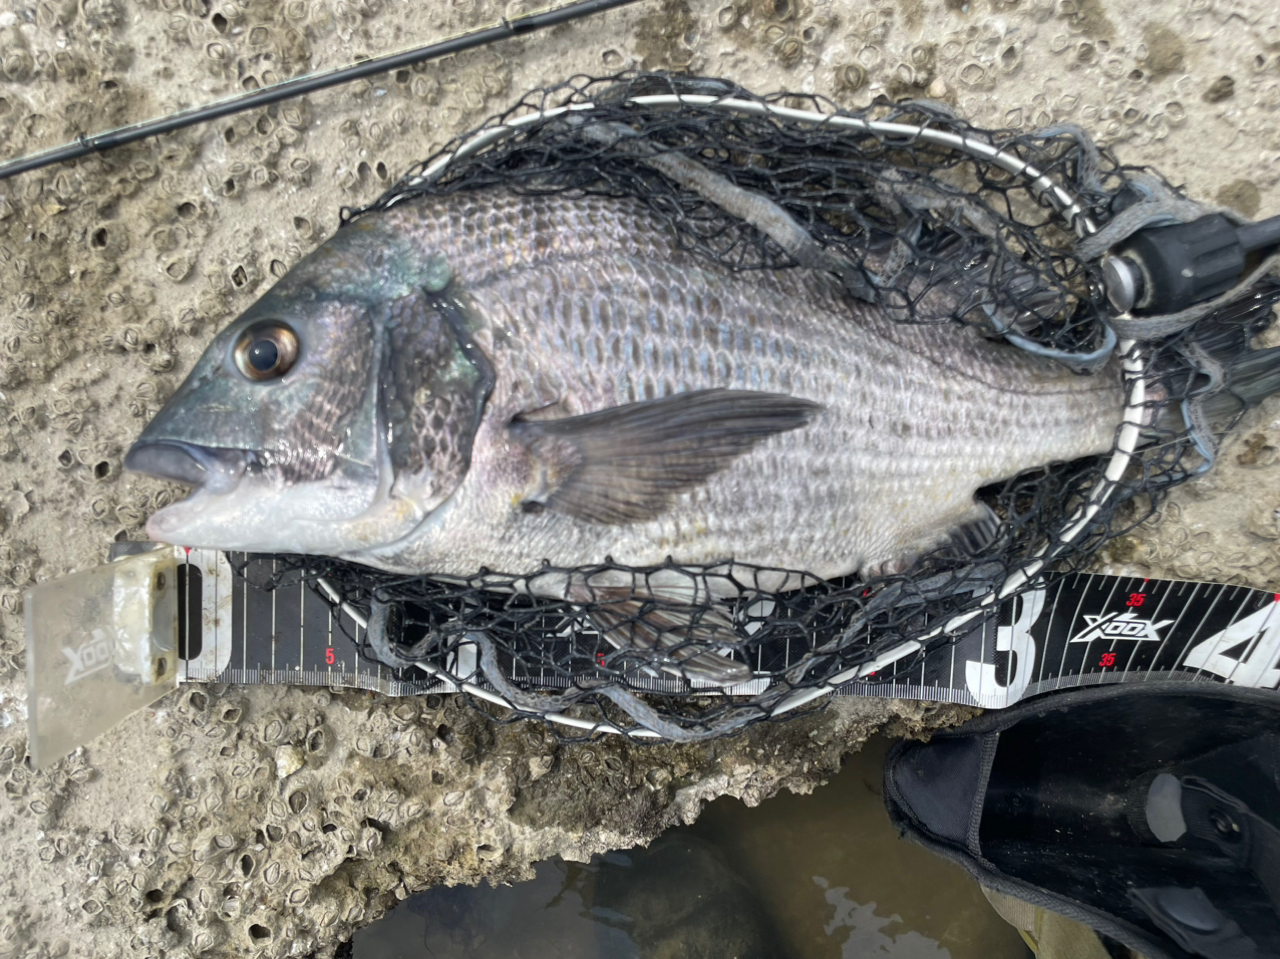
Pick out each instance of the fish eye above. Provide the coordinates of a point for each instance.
(266, 350)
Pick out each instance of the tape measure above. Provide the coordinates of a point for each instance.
(1083, 629)
(111, 640)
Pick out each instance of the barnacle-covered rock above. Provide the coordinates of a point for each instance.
(261, 821)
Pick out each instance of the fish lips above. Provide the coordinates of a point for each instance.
(210, 468)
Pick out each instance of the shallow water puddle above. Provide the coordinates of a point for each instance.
(798, 877)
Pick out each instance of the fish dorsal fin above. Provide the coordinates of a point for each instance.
(624, 464)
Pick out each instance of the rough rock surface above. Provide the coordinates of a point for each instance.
(274, 821)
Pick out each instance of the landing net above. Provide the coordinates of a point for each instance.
(918, 212)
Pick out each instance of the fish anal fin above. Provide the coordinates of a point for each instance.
(977, 534)
(978, 530)
(626, 463)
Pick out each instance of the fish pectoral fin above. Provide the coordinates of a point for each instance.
(685, 634)
(625, 464)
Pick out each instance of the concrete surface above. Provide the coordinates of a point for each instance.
(176, 835)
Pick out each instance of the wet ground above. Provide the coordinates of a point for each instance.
(822, 876)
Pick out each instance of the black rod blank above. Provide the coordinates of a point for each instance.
(299, 86)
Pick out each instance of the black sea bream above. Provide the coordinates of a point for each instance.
(497, 380)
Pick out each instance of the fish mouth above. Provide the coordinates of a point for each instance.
(211, 468)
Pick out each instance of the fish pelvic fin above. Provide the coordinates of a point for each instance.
(625, 464)
(687, 634)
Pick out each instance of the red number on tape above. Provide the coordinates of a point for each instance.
(328, 655)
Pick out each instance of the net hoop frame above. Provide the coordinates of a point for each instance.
(1133, 368)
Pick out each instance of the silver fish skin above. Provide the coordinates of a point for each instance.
(446, 345)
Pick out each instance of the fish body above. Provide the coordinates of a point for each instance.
(443, 342)
(533, 384)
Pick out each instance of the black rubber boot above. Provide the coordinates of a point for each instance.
(1149, 813)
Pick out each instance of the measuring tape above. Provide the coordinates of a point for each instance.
(106, 642)
(1084, 629)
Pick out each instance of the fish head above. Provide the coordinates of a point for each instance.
(336, 413)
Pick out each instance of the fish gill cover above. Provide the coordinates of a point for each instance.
(925, 232)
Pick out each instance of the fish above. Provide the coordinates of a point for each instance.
(497, 380)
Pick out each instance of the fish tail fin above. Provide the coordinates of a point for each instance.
(685, 634)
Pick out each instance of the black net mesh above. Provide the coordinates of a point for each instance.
(929, 231)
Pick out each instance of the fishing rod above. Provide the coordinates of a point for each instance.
(309, 83)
